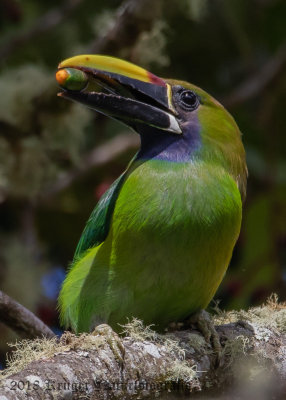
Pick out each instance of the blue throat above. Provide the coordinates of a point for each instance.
(157, 144)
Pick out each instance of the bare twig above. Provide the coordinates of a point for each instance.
(42, 25)
(86, 366)
(21, 320)
(132, 18)
(255, 84)
(99, 156)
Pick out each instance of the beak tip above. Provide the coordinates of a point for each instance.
(174, 125)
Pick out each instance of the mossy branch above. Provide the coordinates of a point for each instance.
(76, 367)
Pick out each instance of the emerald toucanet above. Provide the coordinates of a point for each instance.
(159, 241)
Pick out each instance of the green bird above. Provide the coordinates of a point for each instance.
(159, 241)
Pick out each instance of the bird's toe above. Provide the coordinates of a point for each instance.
(113, 340)
(203, 322)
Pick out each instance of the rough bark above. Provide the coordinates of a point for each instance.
(253, 362)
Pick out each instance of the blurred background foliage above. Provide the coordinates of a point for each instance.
(57, 158)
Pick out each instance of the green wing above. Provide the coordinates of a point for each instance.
(97, 227)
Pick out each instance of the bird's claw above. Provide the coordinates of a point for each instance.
(204, 323)
(175, 326)
(113, 341)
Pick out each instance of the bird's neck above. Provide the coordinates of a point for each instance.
(190, 147)
(161, 145)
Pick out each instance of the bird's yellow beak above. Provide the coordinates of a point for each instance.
(112, 65)
(124, 90)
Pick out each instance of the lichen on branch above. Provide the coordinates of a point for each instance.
(254, 356)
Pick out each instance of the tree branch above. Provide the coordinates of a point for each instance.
(253, 361)
(256, 83)
(21, 320)
(132, 18)
(99, 156)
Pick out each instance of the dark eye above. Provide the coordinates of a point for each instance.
(189, 100)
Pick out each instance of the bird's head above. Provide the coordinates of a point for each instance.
(177, 121)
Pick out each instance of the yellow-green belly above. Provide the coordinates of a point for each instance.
(170, 242)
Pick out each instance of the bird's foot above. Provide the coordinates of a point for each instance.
(175, 326)
(204, 324)
(113, 340)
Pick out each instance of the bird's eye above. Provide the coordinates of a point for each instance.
(189, 100)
